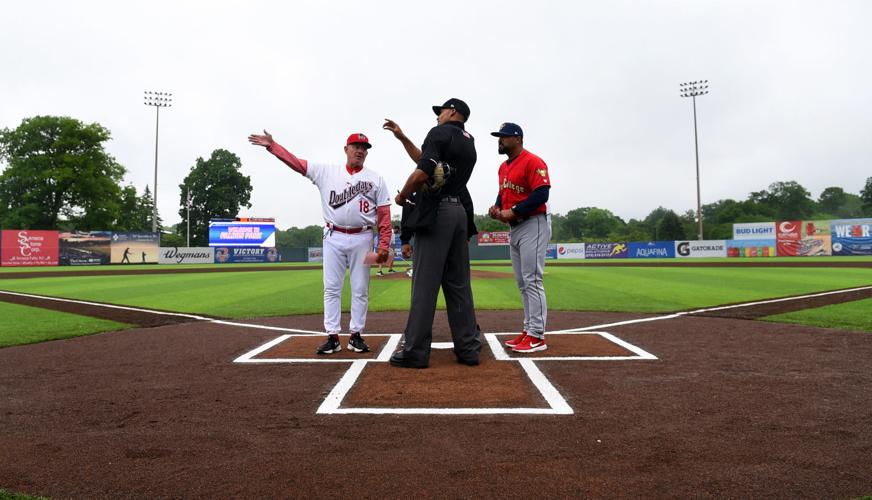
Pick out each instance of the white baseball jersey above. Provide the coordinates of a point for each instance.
(349, 200)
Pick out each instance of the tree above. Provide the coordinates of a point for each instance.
(485, 224)
(57, 171)
(309, 236)
(866, 196)
(669, 227)
(832, 199)
(218, 190)
(136, 212)
(786, 200)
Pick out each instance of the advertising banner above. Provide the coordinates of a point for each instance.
(788, 235)
(652, 249)
(816, 239)
(238, 233)
(852, 237)
(23, 247)
(570, 250)
(316, 254)
(606, 251)
(551, 251)
(754, 231)
(134, 248)
(701, 248)
(493, 238)
(187, 255)
(243, 255)
(751, 248)
(84, 248)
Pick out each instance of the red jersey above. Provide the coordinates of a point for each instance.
(522, 176)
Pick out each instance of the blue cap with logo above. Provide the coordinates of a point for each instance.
(509, 130)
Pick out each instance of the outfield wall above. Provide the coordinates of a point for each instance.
(847, 237)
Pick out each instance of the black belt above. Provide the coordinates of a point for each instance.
(450, 199)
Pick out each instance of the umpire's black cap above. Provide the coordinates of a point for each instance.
(455, 104)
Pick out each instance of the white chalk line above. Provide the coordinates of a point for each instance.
(710, 309)
(557, 405)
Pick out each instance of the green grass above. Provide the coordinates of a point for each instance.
(28, 325)
(624, 289)
(9, 495)
(847, 316)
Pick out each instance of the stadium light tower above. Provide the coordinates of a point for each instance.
(692, 90)
(158, 100)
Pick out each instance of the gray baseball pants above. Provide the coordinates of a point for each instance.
(528, 243)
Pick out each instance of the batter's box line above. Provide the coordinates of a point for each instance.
(501, 354)
(383, 356)
(557, 405)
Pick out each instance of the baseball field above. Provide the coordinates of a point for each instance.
(714, 379)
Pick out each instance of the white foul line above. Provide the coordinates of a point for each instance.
(162, 313)
(709, 309)
(110, 306)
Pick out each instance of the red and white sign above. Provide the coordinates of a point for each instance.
(788, 234)
(493, 238)
(23, 247)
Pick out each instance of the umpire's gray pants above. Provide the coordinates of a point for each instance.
(527, 246)
(441, 257)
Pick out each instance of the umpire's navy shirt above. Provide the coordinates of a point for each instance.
(449, 143)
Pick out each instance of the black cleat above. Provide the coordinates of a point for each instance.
(356, 343)
(399, 359)
(332, 345)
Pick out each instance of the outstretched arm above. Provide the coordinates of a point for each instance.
(266, 140)
(412, 150)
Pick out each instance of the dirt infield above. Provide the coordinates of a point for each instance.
(730, 408)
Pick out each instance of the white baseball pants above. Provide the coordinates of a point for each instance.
(346, 251)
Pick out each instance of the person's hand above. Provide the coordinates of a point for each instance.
(494, 212)
(264, 140)
(394, 128)
(399, 199)
(507, 215)
(407, 251)
(382, 255)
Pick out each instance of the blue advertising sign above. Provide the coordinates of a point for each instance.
(239, 234)
(652, 249)
(852, 236)
(245, 255)
(551, 251)
(606, 251)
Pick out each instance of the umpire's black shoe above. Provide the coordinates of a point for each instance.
(399, 359)
(356, 343)
(332, 345)
(467, 360)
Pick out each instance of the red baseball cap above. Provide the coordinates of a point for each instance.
(358, 138)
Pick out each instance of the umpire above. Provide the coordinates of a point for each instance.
(441, 226)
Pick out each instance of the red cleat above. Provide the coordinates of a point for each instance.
(531, 344)
(517, 340)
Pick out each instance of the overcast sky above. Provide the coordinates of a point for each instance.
(593, 84)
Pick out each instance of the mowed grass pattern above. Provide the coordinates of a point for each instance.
(252, 294)
(848, 316)
(28, 325)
